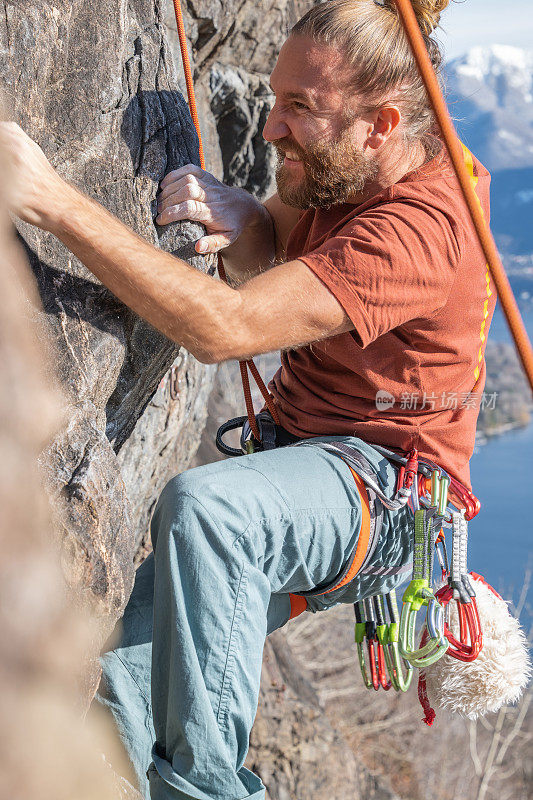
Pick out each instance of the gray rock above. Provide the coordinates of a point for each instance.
(241, 102)
(94, 84)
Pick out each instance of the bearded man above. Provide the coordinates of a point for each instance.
(365, 272)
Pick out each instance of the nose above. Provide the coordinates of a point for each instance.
(275, 126)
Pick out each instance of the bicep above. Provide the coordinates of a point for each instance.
(286, 307)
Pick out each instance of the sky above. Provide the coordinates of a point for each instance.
(466, 23)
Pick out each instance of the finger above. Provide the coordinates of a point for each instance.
(11, 127)
(212, 244)
(190, 209)
(191, 191)
(175, 186)
(176, 174)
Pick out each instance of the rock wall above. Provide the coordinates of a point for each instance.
(94, 85)
(234, 44)
(98, 86)
(46, 750)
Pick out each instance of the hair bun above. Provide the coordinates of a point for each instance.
(427, 12)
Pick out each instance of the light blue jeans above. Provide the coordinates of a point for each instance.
(231, 541)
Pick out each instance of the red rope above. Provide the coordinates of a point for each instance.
(244, 365)
(505, 293)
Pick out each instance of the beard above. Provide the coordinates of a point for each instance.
(334, 173)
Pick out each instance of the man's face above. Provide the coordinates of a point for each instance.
(318, 138)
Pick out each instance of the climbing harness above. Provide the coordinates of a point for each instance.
(386, 642)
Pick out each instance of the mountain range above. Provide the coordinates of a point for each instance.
(490, 96)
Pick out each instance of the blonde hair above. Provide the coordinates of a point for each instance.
(378, 55)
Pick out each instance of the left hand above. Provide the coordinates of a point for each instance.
(37, 191)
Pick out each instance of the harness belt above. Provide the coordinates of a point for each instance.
(367, 538)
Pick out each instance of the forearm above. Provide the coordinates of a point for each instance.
(254, 251)
(189, 307)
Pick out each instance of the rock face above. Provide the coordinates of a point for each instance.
(46, 750)
(235, 45)
(98, 87)
(94, 85)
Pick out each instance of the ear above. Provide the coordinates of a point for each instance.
(385, 120)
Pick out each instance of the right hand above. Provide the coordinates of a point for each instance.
(192, 193)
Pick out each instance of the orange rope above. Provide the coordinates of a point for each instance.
(486, 240)
(244, 365)
(189, 83)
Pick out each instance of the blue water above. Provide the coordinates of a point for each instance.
(501, 540)
(501, 536)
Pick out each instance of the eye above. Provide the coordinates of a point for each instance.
(298, 104)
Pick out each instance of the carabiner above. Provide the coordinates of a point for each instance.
(442, 555)
(369, 626)
(470, 642)
(416, 595)
(370, 681)
(395, 663)
(382, 636)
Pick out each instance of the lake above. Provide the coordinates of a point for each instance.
(500, 537)
(501, 541)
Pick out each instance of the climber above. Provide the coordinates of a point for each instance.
(364, 270)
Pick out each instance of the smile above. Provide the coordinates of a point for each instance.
(291, 162)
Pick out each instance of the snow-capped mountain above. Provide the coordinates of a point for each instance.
(490, 95)
(490, 92)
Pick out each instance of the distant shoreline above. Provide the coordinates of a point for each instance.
(482, 437)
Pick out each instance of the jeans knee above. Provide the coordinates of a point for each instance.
(180, 515)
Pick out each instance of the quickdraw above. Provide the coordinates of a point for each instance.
(395, 663)
(366, 629)
(391, 652)
(460, 589)
(376, 623)
(419, 593)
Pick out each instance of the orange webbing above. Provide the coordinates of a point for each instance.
(244, 365)
(298, 605)
(505, 293)
(364, 535)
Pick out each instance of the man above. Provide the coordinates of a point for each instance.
(364, 270)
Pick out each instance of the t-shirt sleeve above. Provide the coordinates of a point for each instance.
(389, 265)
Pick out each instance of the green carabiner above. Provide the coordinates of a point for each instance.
(360, 633)
(395, 663)
(419, 593)
(434, 648)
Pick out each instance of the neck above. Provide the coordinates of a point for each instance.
(393, 165)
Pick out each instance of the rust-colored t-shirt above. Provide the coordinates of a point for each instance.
(407, 268)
